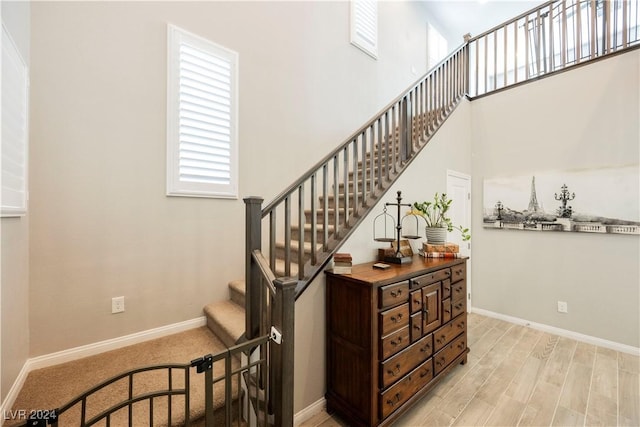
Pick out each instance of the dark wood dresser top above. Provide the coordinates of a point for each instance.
(366, 274)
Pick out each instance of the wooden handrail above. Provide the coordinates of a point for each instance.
(345, 183)
(291, 188)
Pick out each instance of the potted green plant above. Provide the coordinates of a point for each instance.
(438, 223)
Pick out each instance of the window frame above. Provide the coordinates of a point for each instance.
(16, 208)
(370, 47)
(175, 185)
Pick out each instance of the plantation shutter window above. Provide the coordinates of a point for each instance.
(202, 142)
(15, 98)
(364, 26)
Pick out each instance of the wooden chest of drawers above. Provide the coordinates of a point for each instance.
(392, 335)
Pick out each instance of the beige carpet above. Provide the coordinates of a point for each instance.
(53, 387)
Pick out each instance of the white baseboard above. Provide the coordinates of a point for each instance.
(12, 395)
(623, 348)
(310, 411)
(91, 350)
(112, 344)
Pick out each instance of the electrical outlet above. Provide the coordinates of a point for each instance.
(117, 305)
(562, 307)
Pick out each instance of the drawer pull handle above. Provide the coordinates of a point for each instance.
(424, 373)
(394, 401)
(441, 339)
(396, 294)
(425, 349)
(396, 343)
(461, 325)
(447, 273)
(440, 361)
(461, 345)
(393, 372)
(394, 319)
(446, 310)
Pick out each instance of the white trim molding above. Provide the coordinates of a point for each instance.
(623, 348)
(12, 395)
(309, 412)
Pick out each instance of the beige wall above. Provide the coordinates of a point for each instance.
(450, 148)
(101, 225)
(14, 236)
(586, 118)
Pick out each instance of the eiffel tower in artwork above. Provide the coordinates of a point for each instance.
(533, 199)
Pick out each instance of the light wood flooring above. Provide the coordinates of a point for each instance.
(518, 376)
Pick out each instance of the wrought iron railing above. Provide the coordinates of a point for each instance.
(254, 383)
(550, 38)
(129, 399)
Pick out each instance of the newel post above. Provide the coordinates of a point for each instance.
(283, 318)
(253, 241)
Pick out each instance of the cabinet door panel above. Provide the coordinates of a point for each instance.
(431, 307)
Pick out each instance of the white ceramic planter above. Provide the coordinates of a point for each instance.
(436, 235)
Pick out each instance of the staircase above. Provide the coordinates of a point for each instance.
(362, 170)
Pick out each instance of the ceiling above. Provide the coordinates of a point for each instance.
(474, 16)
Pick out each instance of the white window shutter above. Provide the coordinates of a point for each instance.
(15, 99)
(202, 118)
(364, 26)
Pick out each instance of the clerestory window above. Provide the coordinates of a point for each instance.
(202, 117)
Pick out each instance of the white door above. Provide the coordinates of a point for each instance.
(459, 190)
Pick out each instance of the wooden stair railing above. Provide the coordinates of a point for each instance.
(309, 220)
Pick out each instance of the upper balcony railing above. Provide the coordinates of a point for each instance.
(554, 36)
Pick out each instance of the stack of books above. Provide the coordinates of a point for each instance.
(447, 250)
(342, 263)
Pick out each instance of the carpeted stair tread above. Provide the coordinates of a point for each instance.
(52, 387)
(237, 292)
(227, 320)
